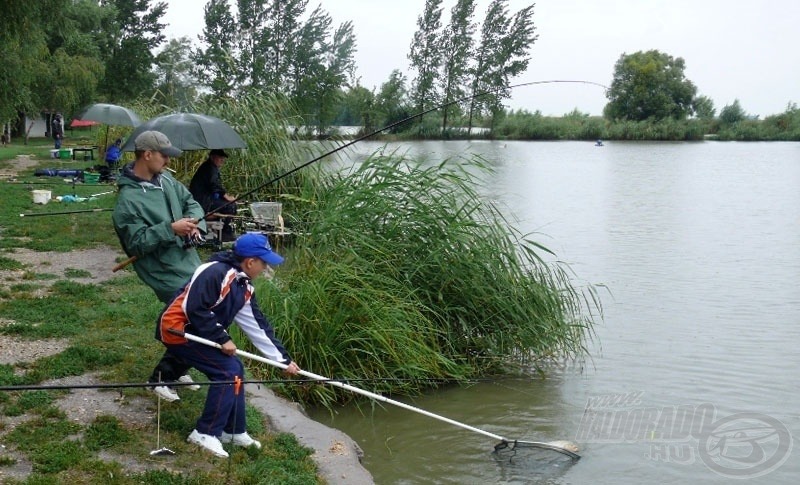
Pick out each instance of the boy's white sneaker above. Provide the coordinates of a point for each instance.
(188, 378)
(240, 439)
(166, 393)
(208, 442)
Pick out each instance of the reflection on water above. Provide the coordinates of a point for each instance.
(697, 244)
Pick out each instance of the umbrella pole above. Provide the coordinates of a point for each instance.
(105, 143)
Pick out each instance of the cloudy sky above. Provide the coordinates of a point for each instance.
(734, 49)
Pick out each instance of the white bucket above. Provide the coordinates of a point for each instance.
(53, 153)
(41, 196)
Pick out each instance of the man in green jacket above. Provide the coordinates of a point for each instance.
(154, 217)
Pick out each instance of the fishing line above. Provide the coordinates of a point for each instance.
(122, 385)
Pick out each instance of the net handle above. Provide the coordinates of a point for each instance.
(371, 395)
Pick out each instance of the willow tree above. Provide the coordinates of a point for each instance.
(50, 62)
(323, 64)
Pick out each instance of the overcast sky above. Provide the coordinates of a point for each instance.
(745, 49)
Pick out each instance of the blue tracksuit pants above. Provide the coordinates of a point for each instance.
(224, 411)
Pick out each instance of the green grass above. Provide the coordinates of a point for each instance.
(37, 147)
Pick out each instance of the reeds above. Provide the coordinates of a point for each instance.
(408, 273)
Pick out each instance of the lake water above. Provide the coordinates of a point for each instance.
(693, 371)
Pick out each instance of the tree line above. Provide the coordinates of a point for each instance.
(66, 54)
(62, 55)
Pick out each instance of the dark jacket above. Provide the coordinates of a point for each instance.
(206, 185)
(218, 295)
(142, 219)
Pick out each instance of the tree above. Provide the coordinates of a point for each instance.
(458, 46)
(392, 101)
(51, 62)
(649, 85)
(321, 68)
(135, 31)
(357, 108)
(176, 86)
(215, 66)
(703, 108)
(268, 47)
(502, 55)
(426, 56)
(732, 113)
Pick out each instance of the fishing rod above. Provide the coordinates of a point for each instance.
(218, 210)
(129, 385)
(65, 212)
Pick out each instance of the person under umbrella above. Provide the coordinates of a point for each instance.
(207, 189)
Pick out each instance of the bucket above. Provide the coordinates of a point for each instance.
(91, 178)
(41, 196)
(65, 153)
(54, 153)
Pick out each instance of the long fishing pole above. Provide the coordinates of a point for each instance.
(61, 213)
(369, 135)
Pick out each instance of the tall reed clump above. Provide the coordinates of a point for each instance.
(408, 272)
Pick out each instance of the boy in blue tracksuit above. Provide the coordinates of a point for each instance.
(220, 293)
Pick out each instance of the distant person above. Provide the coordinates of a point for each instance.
(219, 294)
(207, 189)
(154, 217)
(6, 136)
(114, 154)
(57, 130)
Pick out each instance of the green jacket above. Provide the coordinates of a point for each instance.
(142, 219)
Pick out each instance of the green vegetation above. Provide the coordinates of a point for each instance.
(408, 273)
(396, 270)
(649, 86)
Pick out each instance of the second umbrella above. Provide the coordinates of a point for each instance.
(190, 131)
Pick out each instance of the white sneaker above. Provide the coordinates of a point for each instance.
(188, 378)
(240, 439)
(166, 393)
(207, 442)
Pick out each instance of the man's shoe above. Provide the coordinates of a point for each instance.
(188, 378)
(207, 442)
(166, 393)
(240, 439)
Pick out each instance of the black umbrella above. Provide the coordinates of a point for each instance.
(190, 131)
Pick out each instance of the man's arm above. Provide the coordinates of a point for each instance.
(137, 238)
